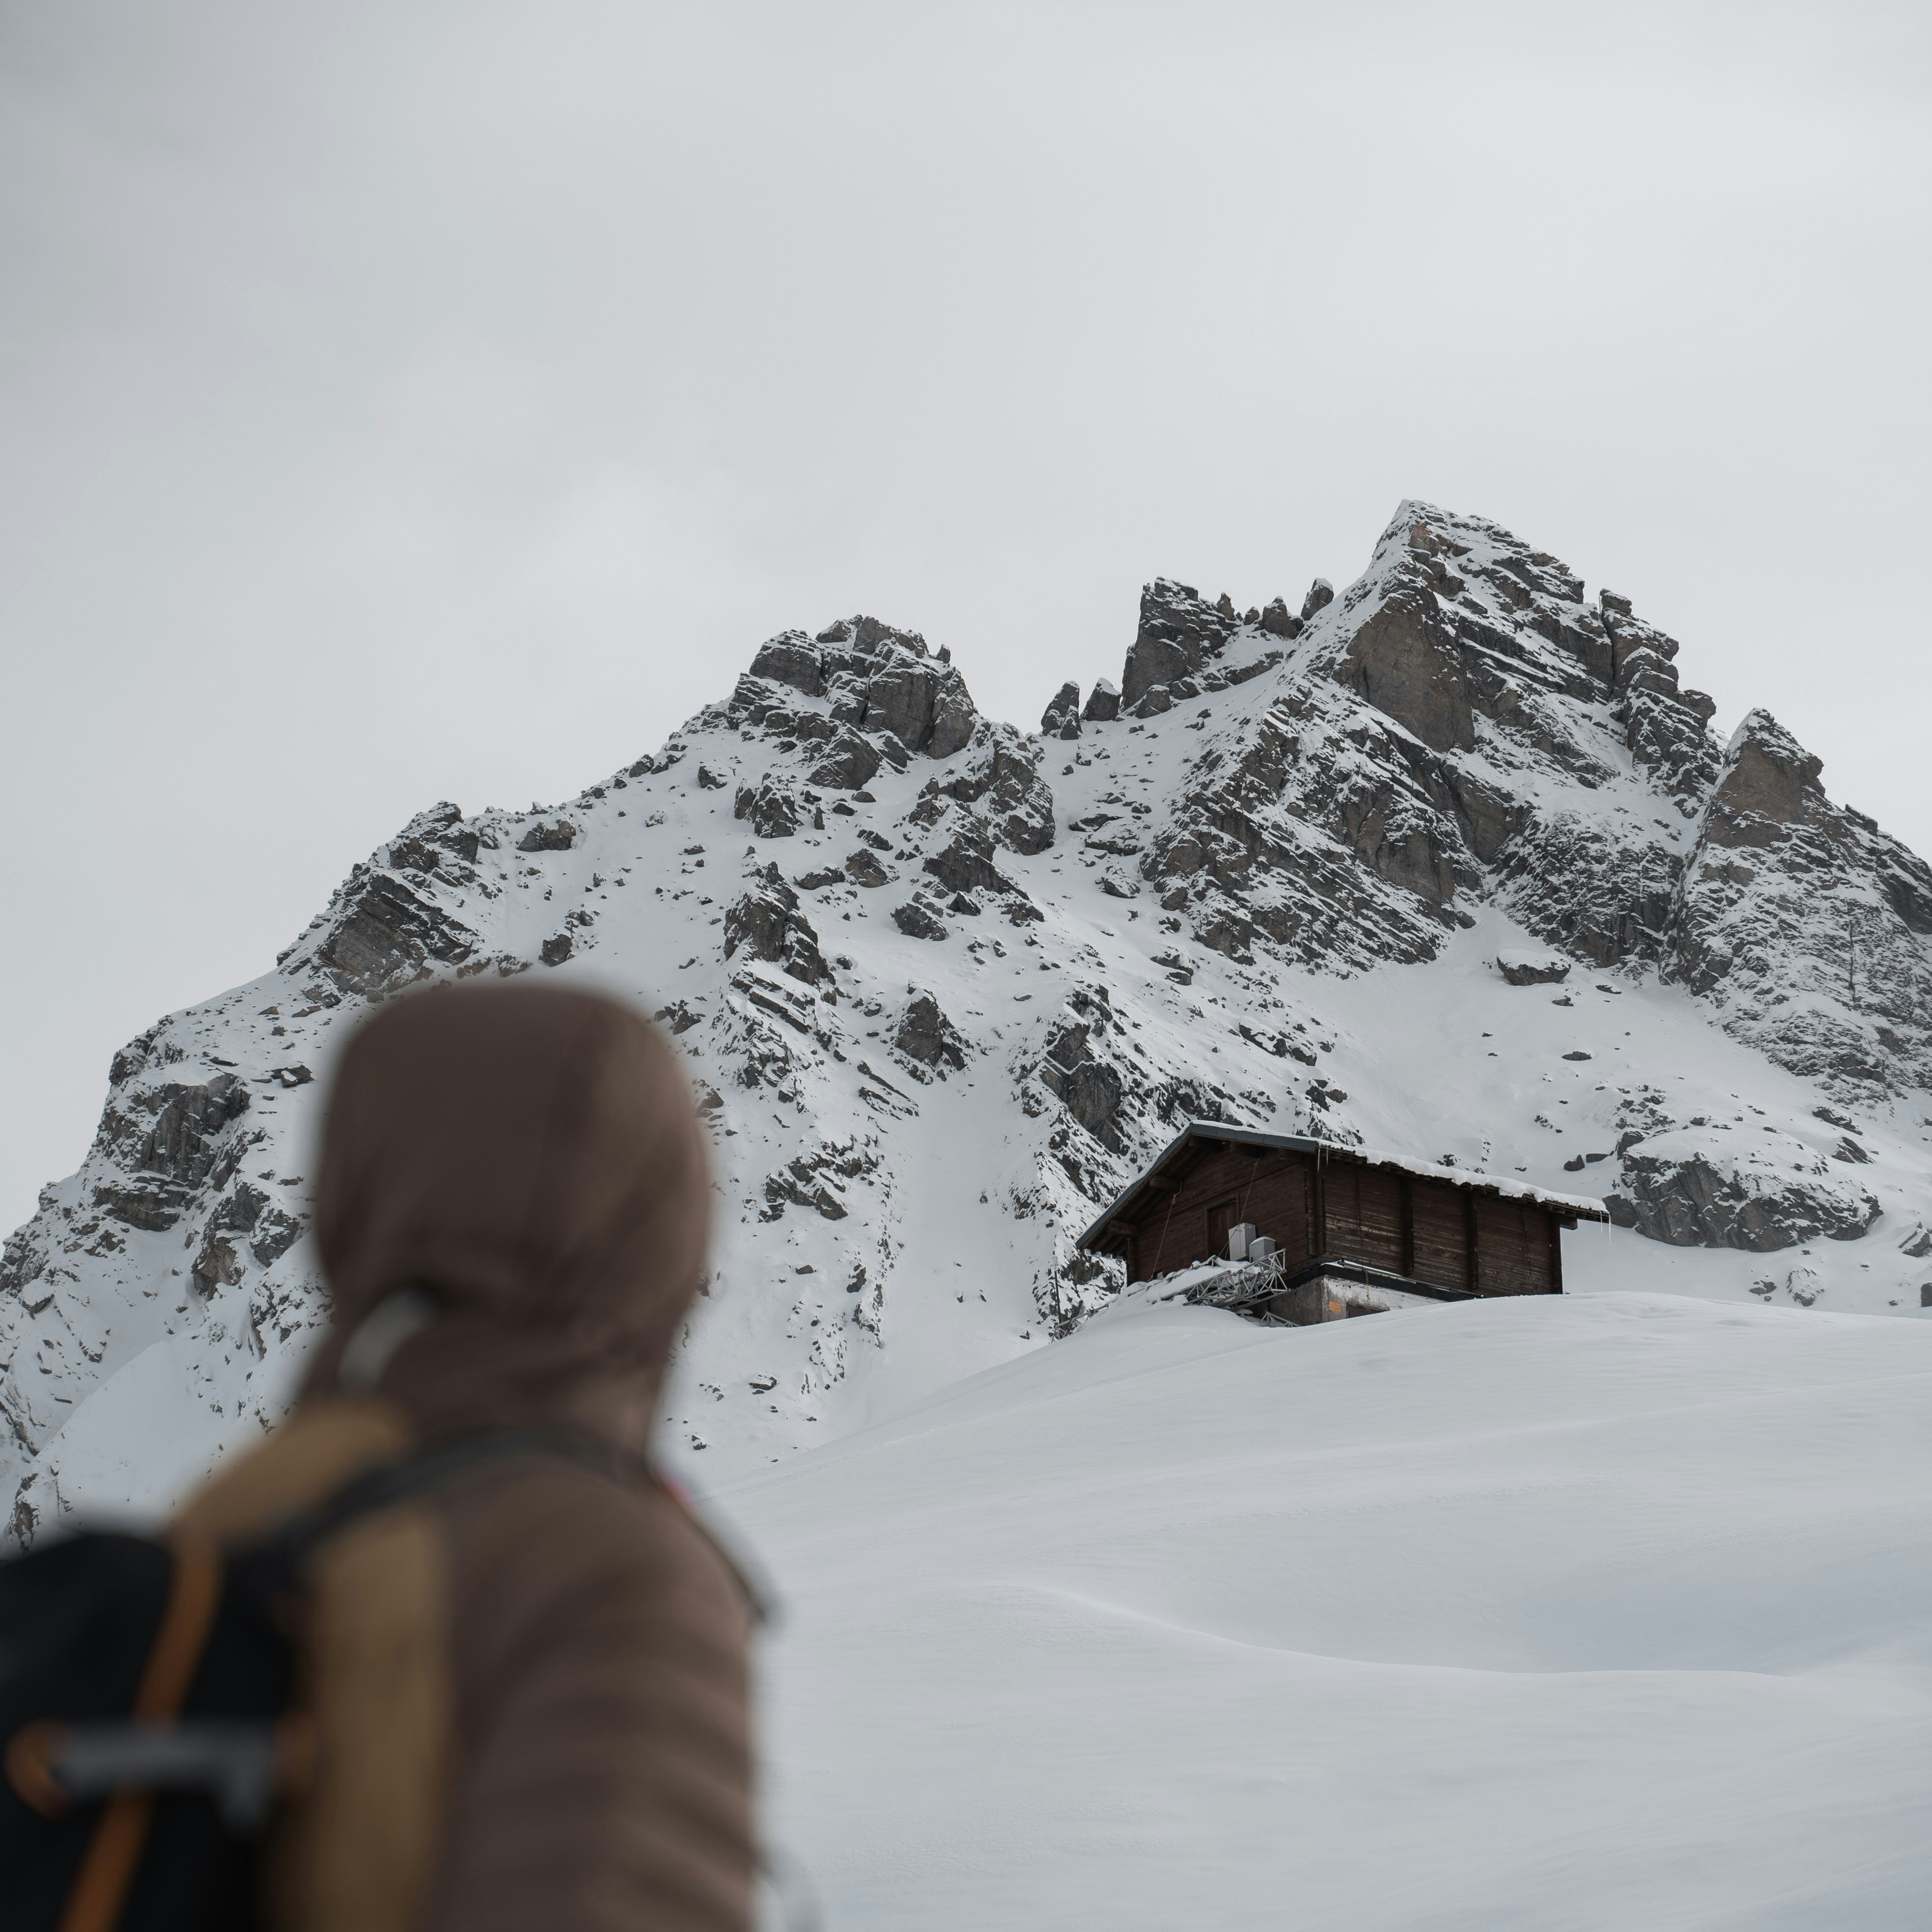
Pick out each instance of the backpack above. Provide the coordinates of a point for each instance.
(147, 1726)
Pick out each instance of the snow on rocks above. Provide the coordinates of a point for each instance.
(1266, 883)
(1686, 1188)
(1533, 969)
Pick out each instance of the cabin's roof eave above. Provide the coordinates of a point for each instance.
(1581, 1205)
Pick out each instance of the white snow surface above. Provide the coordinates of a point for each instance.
(1606, 1612)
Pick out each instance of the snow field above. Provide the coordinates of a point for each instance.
(1606, 1612)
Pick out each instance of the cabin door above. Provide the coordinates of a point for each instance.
(1221, 1218)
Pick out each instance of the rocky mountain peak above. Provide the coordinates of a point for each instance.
(942, 985)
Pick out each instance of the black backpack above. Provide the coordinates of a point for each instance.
(146, 1728)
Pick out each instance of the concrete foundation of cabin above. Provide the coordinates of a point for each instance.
(1329, 1289)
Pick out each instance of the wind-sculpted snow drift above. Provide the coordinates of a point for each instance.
(942, 985)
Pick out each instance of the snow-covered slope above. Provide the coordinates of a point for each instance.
(942, 986)
(1601, 1612)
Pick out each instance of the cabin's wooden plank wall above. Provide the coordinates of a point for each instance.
(1429, 1230)
(1190, 1221)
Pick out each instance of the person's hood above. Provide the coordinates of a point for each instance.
(532, 1157)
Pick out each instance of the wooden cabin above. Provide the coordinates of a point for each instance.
(1353, 1231)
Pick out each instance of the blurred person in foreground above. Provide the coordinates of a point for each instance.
(528, 1684)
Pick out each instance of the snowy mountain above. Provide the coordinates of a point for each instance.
(942, 985)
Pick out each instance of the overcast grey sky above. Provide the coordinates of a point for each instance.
(402, 402)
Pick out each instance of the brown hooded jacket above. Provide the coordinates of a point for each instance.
(528, 1686)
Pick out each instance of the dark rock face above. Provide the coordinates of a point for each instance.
(1002, 779)
(913, 920)
(432, 839)
(790, 660)
(218, 1265)
(849, 763)
(385, 931)
(1320, 594)
(876, 679)
(1275, 620)
(1090, 1087)
(774, 812)
(1522, 969)
(1178, 634)
(863, 869)
(964, 864)
(541, 838)
(926, 1035)
(1061, 718)
(1103, 702)
(1804, 923)
(275, 1232)
(1689, 1200)
(924, 706)
(1405, 661)
(767, 924)
(172, 1139)
(555, 949)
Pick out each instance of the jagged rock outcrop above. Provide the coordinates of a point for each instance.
(925, 1035)
(874, 678)
(1530, 969)
(766, 924)
(1103, 702)
(1804, 924)
(1677, 1189)
(1000, 781)
(1061, 718)
(1178, 634)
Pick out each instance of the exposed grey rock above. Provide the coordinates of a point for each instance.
(789, 659)
(1525, 969)
(275, 1232)
(1103, 701)
(817, 881)
(1002, 779)
(1089, 1087)
(849, 763)
(1405, 660)
(555, 949)
(1675, 1191)
(1610, 601)
(1061, 718)
(923, 705)
(432, 839)
(913, 920)
(542, 838)
(774, 812)
(218, 1265)
(1276, 620)
(1320, 594)
(964, 864)
(926, 1035)
(1804, 924)
(1152, 702)
(1178, 634)
(863, 869)
(767, 924)
(382, 932)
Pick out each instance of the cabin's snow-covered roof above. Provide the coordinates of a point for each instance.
(1584, 1206)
